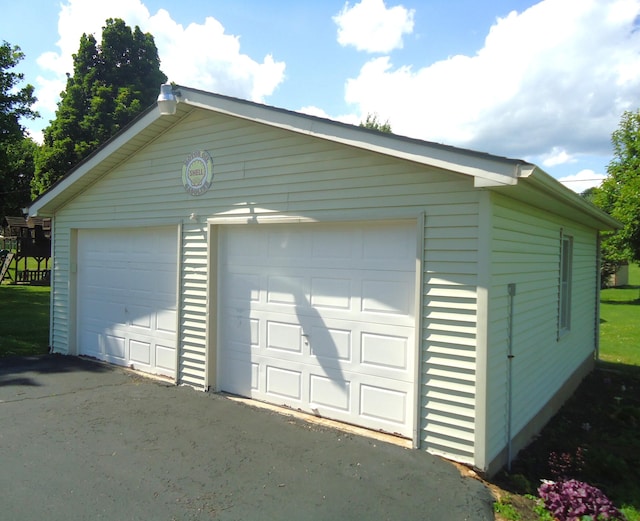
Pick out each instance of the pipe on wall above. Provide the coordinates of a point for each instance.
(511, 292)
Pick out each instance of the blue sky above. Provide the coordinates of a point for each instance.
(542, 81)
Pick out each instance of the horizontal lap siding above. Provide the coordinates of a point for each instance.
(60, 291)
(261, 171)
(449, 330)
(525, 251)
(193, 305)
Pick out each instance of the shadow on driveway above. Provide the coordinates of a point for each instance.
(29, 370)
(83, 440)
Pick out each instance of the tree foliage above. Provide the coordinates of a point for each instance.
(112, 83)
(16, 150)
(15, 181)
(374, 123)
(619, 194)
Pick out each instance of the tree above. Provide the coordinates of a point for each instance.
(373, 123)
(15, 187)
(589, 193)
(16, 151)
(111, 84)
(619, 194)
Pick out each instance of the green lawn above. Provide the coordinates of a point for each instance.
(620, 322)
(24, 320)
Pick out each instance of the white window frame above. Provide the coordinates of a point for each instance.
(564, 283)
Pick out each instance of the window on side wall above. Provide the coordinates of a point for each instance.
(566, 262)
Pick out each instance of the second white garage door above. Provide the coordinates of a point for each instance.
(321, 318)
(127, 297)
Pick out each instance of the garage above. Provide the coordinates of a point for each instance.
(127, 286)
(362, 276)
(321, 318)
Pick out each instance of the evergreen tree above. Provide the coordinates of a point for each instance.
(112, 83)
(16, 151)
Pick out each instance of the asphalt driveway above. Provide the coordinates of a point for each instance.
(81, 440)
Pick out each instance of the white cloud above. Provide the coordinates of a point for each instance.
(552, 80)
(200, 55)
(372, 27)
(557, 156)
(582, 180)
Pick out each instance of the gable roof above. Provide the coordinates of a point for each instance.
(513, 177)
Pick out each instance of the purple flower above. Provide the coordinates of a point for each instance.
(570, 500)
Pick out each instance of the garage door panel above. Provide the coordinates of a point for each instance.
(385, 351)
(281, 382)
(286, 289)
(140, 316)
(240, 332)
(288, 245)
(329, 246)
(331, 392)
(89, 339)
(331, 344)
(115, 275)
(382, 296)
(284, 337)
(332, 293)
(114, 346)
(242, 286)
(166, 320)
(242, 375)
(382, 403)
(332, 319)
(140, 352)
(127, 297)
(111, 312)
(165, 357)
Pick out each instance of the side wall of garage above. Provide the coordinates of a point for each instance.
(260, 173)
(526, 251)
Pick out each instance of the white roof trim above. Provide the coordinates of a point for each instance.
(487, 171)
(92, 161)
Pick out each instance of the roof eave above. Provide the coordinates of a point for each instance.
(93, 167)
(540, 182)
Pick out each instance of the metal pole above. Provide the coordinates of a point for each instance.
(511, 294)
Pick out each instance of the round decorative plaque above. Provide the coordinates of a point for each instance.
(197, 172)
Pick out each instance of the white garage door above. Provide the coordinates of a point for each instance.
(321, 318)
(127, 297)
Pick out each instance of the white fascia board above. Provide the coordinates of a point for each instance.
(66, 184)
(487, 170)
(552, 188)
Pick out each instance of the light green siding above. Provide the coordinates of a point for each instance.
(525, 249)
(449, 327)
(193, 305)
(61, 286)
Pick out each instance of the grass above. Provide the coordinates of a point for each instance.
(24, 320)
(620, 321)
